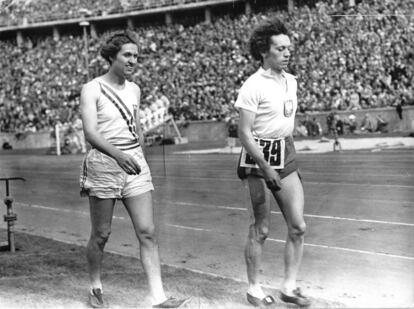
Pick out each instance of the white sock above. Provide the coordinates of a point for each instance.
(256, 291)
(154, 303)
(288, 289)
(98, 286)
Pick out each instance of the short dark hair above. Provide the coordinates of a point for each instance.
(259, 41)
(114, 44)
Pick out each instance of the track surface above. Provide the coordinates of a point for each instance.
(359, 209)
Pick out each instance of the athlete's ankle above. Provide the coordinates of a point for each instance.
(256, 291)
(95, 286)
(287, 287)
(158, 299)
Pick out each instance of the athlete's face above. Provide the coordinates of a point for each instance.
(278, 55)
(126, 59)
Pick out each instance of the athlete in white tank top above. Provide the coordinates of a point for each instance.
(109, 106)
(116, 110)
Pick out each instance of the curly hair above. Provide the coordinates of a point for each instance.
(260, 39)
(114, 44)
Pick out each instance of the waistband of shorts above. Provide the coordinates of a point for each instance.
(274, 138)
(126, 146)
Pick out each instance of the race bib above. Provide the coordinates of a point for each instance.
(273, 152)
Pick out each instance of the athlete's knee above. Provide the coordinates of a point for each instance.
(259, 232)
(258, 197)
(146, 235)
(101, 237)
(297, 230)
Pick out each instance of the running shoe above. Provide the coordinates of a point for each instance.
(261, 303)
(96, 299)
(298, 298)
(172, 303)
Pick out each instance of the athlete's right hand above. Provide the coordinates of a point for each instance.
(272, 179)
(128, 164)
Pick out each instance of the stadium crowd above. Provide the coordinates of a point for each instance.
(30, 11)
(362, 60)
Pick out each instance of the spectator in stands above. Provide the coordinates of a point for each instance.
(312, 127)
(308, 125)
(367, 124)
(331, 122)
(381, 124)
(161, 98)
(7, 146)
(318, 127)
(301, 130)
(399, 110)
(352, 124)
(354, 102)
(77, 129)
(339, 125)
(232, 133)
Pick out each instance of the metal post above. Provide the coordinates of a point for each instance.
(10, 217)
(85, 24)
(57, 136)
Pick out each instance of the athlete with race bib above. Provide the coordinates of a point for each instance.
(267, 104)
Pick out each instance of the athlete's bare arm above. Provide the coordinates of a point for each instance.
(88, 100)
(246, 121)
(137, 118)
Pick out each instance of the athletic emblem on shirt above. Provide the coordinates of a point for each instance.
(288, 108)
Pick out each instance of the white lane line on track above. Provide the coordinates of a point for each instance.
(188, 228)
(207, 230)
(85, 213)
(402, 163)
(316, 246)
(220, 172)
(332, 183)
(306, 215)
(79, 212)
(411, 258)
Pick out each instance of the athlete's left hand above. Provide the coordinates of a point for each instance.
(272, 179)
(128, 164)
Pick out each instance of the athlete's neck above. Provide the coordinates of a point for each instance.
(273, 72)
(114, 79)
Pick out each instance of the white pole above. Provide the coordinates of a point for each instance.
(57, 133)
(176, 128)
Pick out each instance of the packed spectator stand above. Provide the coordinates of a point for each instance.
(345, 58)
(32, 11)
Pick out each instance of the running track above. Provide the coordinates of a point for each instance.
(359, 209)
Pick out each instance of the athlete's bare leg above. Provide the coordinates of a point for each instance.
(101, 211)
(141, 212)
(291, 202)
(258, 232)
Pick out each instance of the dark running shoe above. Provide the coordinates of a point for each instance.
(172, 303)
(298, 298)
(96, 299)
(262, 303)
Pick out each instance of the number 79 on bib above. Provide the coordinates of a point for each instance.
(273, 151)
